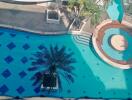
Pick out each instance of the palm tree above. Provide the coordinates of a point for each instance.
(85, 9)
(129, 9)
(56, 62)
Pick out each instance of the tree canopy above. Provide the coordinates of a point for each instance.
(86, 8)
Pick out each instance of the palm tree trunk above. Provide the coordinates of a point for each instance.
(77, 16)
(72, 24)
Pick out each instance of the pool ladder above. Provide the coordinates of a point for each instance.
(84, 38)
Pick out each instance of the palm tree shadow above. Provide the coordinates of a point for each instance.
(73, 59)
(56, 62)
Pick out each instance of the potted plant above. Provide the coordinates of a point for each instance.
(53, 16)
(56, 62)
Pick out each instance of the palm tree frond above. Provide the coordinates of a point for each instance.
(56, 61)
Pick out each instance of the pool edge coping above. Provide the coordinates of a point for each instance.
(40, 32)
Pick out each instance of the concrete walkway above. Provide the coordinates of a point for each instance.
(31, 16)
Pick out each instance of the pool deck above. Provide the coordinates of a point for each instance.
(31, 17)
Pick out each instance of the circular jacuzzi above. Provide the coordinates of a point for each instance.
(113, 43)
(118, 42)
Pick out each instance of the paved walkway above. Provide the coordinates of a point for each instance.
(32, 17)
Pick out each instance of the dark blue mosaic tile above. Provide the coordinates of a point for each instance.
(1, 33)
(99, 92)
(27, 37)
(40, 47)
(11, 45)
(22, 74)
(37, 90)
(3, 89)
(24, 60)
(84, 91)
(20, 90)
(44, 96)
(26, 46)
(17, 98)
(6, 73)
(12, 34)
(9, 59)
(68, 91)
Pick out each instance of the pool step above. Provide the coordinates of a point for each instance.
(84, 38)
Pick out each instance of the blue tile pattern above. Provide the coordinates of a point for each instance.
(37, 90)
(4, 89)
(24, 60)
(40, 47)
(20, 90)
(11, 45)
(12, 34)
(1, 33)
(6, 73)
(22, 74)
(26, 46)
(9, 59)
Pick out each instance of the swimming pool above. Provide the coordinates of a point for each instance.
(115, 10)
(94, 78)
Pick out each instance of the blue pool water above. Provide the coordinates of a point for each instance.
(94, 78)
(125, 55)
(115, 10)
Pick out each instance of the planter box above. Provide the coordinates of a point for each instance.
(50, 82)
(53, 16)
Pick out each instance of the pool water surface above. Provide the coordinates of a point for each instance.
(93, 77)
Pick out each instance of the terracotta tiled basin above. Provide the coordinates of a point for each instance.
(114, 48)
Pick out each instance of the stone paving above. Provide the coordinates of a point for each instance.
(32, 17)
